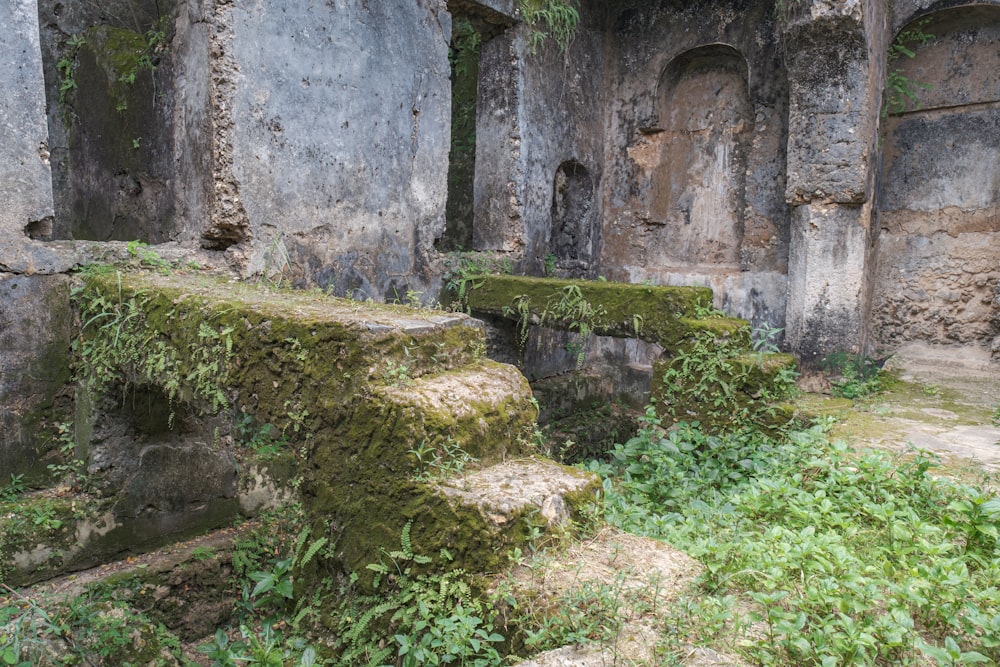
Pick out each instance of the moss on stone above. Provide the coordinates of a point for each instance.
(354, 386)
(724, 387)
(42, 534)
(664, 315)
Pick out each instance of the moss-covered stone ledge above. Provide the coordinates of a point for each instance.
(381, 403)
(746, 385)
(291, 358)
(664, 315)
(479, 515)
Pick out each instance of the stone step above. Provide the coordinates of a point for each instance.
(740, 383)
(483, 410)
(663, 315)
(406, 454)
(368, 402)
(612, 580)
(282, 348)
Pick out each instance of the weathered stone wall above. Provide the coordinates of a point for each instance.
(340, 137)
(25, 177)
(122, 167)
(34, 310)
(835, 57)
(693, 189)
(35, 331)
(939, 200)
(540, 147)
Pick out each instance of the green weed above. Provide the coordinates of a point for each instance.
(826, 555)
(855, 376)
(13, 489)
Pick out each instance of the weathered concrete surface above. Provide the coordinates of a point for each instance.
(539, 148)
(827, 280)
(643, 574)
(938, 267)
(498, 191)
(25, 177)
(124, 166)
(945, 404)
(35, 332)
(693, 177)
(340, 135)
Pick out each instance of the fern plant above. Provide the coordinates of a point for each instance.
(557, 19)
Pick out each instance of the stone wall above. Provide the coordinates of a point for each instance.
(939, 200)
(719, 144)
(693, 190)
(340, 138)
(540, 149)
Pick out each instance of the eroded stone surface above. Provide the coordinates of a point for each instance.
(507, 490)
(641, 572)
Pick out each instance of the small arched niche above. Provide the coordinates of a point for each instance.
(701, 143)
(572, 213)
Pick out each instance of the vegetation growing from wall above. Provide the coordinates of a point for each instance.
(130, 54)
(557, 19)
(567, 309)
(715, 379)
(117, 346)
(901, 92)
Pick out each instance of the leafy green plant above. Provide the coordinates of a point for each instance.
(446, 459)
(117, 345)
(70, 469)
(416, 619)
(465, 273)
(819, 554)
(267, 441)
(66, 67)
(856, 376)
(396, 373)
(567, 309)
(143, 253)
(202, 553)
(705, 310)
(714, 376)
(901, 91)
(550, 264)
(92, 628)
(557, 19)
(13, 489)
(764, 340)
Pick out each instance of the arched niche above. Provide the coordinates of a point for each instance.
(572, 213)
(702, 134)
(938, 244)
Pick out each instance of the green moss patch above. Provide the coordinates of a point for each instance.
(665, 315)
(381, 401)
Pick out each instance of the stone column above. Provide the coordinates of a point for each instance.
(25, 177)
(501, 167)
(35, 319)
(834, 55)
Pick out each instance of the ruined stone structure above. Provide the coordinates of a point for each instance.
(778, 154)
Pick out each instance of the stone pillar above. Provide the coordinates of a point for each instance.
(834, 71)
(34, 310)
(499, 188)
(25, 177)
(827, 279)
